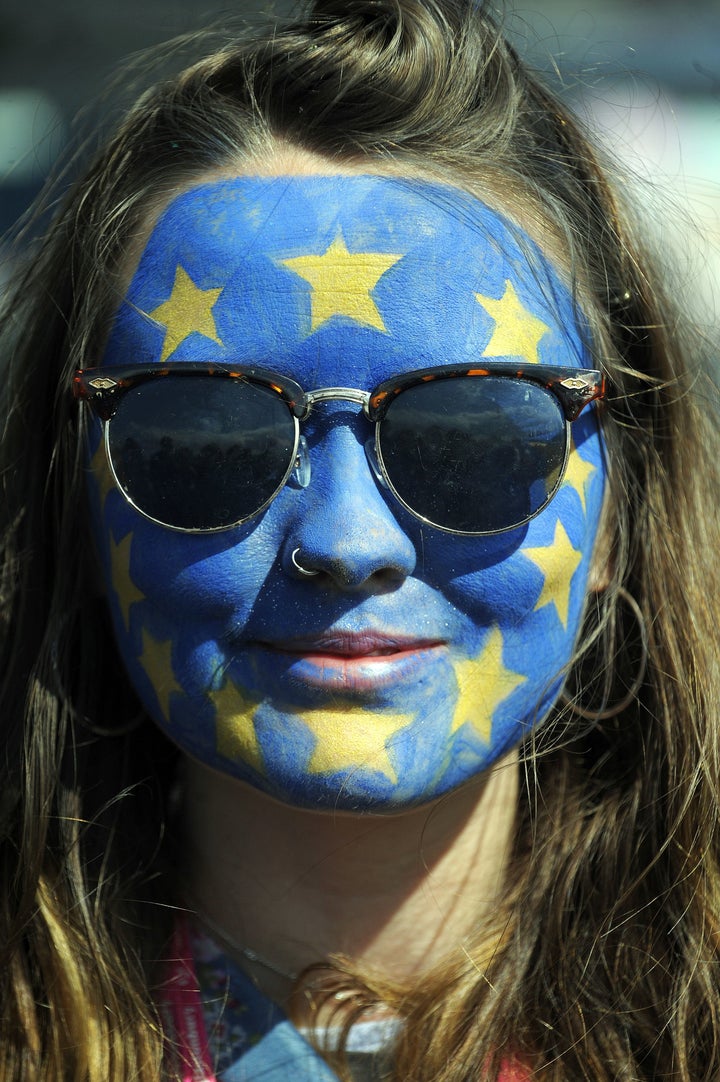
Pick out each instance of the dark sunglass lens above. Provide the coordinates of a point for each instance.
(474, 454)
(201, 452)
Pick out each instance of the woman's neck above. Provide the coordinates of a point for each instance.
(395, 893)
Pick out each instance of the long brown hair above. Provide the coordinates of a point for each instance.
(608, 964)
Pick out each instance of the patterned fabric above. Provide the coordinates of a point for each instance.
(237, 1016)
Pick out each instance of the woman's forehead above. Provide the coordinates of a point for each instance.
(283, 270)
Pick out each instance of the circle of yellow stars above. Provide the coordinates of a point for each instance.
(341, 284)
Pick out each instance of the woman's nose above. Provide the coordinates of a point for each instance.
(344, 530)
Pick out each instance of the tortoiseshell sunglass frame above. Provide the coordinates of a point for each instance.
(574, 388)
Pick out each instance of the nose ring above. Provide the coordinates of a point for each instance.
(299, 567)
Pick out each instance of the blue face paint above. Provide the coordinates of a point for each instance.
(418, 657)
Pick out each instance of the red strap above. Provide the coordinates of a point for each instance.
(181, 1008)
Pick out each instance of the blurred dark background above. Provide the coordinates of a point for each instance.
(648, 73)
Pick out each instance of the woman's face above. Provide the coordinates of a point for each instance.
(414, 658)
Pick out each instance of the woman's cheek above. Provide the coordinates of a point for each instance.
(531, 585)
(180, 601)
(174, 598)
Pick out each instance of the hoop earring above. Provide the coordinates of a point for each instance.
(82, 720)
(607, 712)
(105, 731)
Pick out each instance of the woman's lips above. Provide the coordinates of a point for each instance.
(351, 646)
(352, 662)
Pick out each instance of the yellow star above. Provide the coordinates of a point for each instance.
(483, 683)
(558, 562)
(102, 473)
(156, 660)
(517, 331)
(187, 309)
(126, 590)
(235, 736)
(352, 739)
(578, 473)
(341, 283)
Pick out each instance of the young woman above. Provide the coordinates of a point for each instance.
(359, 594)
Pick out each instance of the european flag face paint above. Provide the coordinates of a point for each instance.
(416, 658)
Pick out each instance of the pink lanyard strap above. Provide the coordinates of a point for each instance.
(181, 1008)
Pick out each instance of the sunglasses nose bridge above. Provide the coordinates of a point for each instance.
(333, 394)
(371, 455)
(301, 471)
(343, 525)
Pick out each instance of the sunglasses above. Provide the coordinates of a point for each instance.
(467, 449)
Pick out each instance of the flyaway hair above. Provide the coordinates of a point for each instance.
(603, 962)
